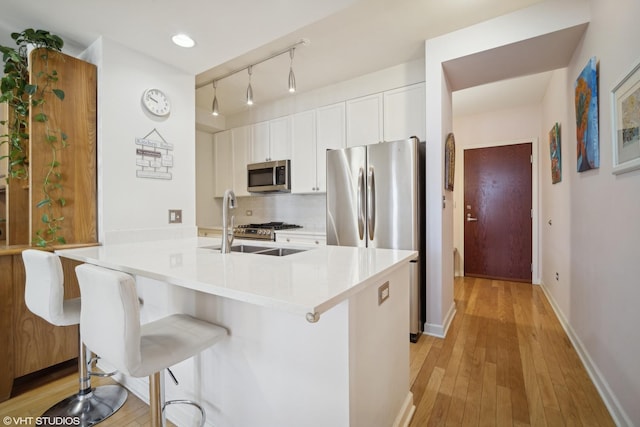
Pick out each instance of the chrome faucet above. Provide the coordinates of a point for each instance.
(228, 202)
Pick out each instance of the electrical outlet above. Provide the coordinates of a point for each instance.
(557, 276)
(248, 212)
(383, 292)
(175, 216)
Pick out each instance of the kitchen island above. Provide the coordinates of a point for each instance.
(317, 338)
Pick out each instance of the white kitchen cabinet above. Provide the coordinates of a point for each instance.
(271, 140)
(259, 142)
(301, 238)
(364, 120)
(404, 113)
(330, 135)
(313, 133)
(280, 138)
(223, 162)
(240, 138)
(303, 153)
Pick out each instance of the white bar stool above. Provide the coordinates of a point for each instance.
(110, 325)
(44, 296)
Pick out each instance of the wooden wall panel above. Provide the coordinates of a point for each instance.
(6, 326)
(76, 117)
(17, 210)
(37, 343)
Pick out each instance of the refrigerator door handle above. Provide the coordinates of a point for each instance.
(371, 202)
(361, 196)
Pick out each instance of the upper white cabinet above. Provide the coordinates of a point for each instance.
(280, 138)
(404, 113)
(364, 120)
(271, 140)
(303, 152)
(259, 142)
(330, 135)
(240, 138)
(223, 162)
(313, 133)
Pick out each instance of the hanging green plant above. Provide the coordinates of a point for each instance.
(23, 97)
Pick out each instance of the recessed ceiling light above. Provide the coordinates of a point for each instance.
(183, 40)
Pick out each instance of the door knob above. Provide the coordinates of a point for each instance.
(469, 219)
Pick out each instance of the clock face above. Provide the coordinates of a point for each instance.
(156, 102)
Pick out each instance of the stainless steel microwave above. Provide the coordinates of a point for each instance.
(267, 177)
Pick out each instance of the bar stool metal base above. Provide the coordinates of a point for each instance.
(90, 408)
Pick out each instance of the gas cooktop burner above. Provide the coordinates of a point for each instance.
(264, 231)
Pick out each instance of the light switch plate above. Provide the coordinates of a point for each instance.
(175, 216)
(383, 293)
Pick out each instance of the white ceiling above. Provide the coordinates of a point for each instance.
(348, 38)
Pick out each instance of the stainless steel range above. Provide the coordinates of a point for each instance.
(266, 231)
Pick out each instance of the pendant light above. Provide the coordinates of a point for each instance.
(214, 107)
(292, 77)
(249, 89)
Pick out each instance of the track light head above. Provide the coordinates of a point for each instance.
(215, 110)
(249, 88)
(292, 77)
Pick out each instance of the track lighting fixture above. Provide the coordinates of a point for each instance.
(215, 110)
(249, 89)
(292, 77)
(249, 94)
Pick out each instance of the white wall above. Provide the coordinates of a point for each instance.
(206, 209)
(597, 213)
(513, 126)
(131, 208)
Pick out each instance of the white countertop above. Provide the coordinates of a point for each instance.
(305, 283)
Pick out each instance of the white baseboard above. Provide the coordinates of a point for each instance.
(440, 331)
(616, 411)
(406, 413)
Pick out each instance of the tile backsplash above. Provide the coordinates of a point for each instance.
(307, 210)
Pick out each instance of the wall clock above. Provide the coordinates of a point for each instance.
(156, 102)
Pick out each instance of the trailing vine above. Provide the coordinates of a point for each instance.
(22, 97)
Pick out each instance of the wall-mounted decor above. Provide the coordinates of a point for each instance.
(555, 150)
(153, 158)
(449, 162)
(625, 123)
(586, 98)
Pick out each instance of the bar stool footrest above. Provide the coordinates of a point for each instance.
(203, 415)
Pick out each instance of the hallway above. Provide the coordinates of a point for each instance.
(505, 361)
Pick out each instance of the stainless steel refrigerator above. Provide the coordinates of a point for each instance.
(375, 198)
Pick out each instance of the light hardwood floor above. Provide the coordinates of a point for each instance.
(505, 361)
(34, 400)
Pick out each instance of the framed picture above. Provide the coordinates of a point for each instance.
(555, 150)
(625, 122)
(449, 162)
(586, 99)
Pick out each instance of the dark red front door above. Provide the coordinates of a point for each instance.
(497, 212)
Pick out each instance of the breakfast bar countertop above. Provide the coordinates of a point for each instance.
(307, 283)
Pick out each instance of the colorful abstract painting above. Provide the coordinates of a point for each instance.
(586, 93)
(555, 152)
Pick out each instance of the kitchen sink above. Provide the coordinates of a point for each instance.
(280, 251)
(261, 250)
(248, 249)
